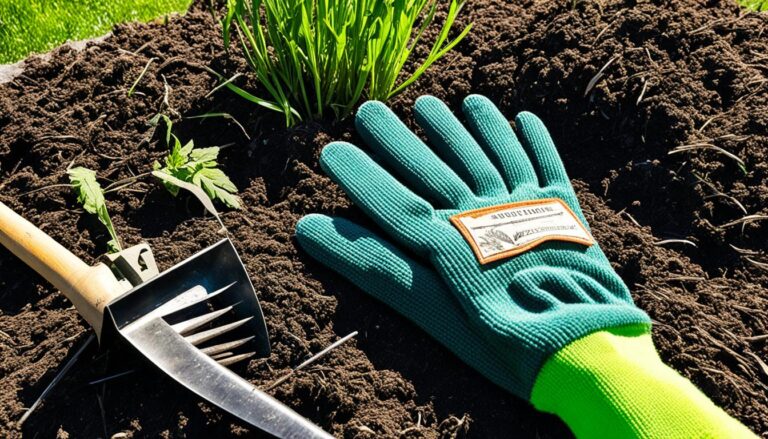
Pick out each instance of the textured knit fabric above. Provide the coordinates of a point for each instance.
(524, 308)
(612, 384)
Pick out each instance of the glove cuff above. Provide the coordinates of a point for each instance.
(612, 383)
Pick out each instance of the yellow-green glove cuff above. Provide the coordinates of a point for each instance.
(612, 384)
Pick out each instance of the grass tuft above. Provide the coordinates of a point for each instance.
(316, 56)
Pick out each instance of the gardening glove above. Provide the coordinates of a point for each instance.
(511, 279)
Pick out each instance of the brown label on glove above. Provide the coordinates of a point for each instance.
(506, 230)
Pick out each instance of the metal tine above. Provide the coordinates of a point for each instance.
(190, 325)
(197, 300)
(200, 337)
(216, 349)
(235, 358)
(193, 295)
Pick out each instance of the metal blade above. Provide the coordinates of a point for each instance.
(186, 364)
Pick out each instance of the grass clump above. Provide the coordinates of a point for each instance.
(755, 5)
(36, 26)
(315, 56)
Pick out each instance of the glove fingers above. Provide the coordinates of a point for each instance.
(403, 150)
(459, 149)
(538, 143)
(414, 291)
(495, 135)
(403, 214)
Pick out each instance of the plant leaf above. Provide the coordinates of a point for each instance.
(205, 155)
(198, 192)
(91, 196)
(199, 167)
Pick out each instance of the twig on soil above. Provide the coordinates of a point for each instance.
(733, 137)
(744, 251)
(141, 75)
(762, 337)
(416, 427)
(708, 146)
(10, 339)
(752, 93)
(605, 29)
(675, 241)
(747, 310)
(760, 363)
(761, 265)
(718, 193)
(62, 137)
(125, 182)
(642, 92)
(599, 75)
(717, 343)
(756, 81)
(364, 429)
(142, 47)
(180, 60)
(712, 24)
(685, 279)
(50, 186)
(111, 377)
(56, 379)
(648, 53)
(628, 215)
(312, 359)
(656, 292)
(744, 220)
(707, 122)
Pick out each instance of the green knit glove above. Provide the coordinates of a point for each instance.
(608, 384)
(515, 291)
(526, 307)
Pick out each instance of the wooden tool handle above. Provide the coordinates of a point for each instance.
(88, 288)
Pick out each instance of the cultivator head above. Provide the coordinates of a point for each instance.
(207, 300)
(194, 319)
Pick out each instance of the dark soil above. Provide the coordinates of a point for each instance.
(681, 73)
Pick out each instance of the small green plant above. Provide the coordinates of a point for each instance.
(755, 5)
(199, 167)
(316, 55)
(91, 196)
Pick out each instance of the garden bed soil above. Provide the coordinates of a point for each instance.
(669, 73)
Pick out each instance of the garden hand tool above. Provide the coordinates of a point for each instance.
(493, 256)
(190, 321)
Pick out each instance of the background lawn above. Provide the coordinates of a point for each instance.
(758, 5)
(36, 26)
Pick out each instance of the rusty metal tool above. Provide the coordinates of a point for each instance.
(191, 321)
